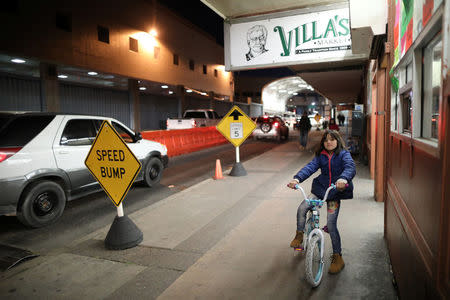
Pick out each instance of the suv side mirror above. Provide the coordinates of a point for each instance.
(138, 136)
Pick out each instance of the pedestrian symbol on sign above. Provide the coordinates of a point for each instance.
(236, 131)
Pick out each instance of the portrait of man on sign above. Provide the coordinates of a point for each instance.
(256, 40)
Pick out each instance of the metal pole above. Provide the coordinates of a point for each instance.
(237, 154)
(120, 210)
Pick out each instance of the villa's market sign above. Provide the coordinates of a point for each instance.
(301, 38)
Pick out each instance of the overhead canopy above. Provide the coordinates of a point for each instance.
(230, 9)
(338, 80)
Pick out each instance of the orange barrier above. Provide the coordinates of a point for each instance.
(183, 141)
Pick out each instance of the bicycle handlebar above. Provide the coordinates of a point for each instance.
(332, 186)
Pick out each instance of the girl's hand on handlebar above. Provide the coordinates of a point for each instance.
(292, 184)
(341, 184)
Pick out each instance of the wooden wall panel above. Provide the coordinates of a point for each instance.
(413, 280)
(424, 203)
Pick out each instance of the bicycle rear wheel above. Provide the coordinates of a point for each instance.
(313, 261)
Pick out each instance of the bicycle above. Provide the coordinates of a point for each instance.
(313, 239)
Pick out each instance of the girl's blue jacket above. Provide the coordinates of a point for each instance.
(332, 168)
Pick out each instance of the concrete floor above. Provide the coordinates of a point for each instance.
(224, 239)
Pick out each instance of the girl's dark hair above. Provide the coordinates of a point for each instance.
(336, 136)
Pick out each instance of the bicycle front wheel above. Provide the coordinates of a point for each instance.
(313, 261)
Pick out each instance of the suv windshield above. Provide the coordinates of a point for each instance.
(195, 114)
(21, 130)
(265, 119)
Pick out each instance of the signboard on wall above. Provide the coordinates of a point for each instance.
(287, 40)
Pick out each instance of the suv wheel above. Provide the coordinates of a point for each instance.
(43, 204)
(153, 171)
(265, 127)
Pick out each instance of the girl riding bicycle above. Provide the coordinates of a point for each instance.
(336, 165)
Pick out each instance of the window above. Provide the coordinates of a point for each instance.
(124, 134)
(134, 45)
(17, 132)
(204, 69)
(78, 133)
(406, 111)
(175, 59)
(103, 34)
(195, 114)
(432, 60)
(210, 114)
(215, 72)
(64, 21)
(394, 110)
(191, 64)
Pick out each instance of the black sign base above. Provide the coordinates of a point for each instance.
(238, 170)
(123, 234)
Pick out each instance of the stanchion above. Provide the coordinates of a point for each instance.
(238, 168)
(123, 233)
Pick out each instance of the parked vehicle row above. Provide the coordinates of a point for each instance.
(42, 162)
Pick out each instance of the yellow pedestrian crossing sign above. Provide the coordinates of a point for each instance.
(236, 126)
(112, 163)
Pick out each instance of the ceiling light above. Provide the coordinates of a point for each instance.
(314, 103)
(92, 73)
(142, 88)
(282, 91)
(62, 76)
(17, 60)
(170, 92)
(295, 94)
(153, 33)
(164, 86)
(188, 91)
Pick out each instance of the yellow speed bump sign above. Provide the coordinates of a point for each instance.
(236, 126)
(112, 163)
(317, 117)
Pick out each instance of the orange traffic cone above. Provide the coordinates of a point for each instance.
(218, 170)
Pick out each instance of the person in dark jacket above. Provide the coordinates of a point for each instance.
(333, 125)
(336, 166)
(305, 126)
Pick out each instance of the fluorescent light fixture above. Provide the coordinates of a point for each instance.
(142, 88)
(92, 73)
(189, 91)
(17, 60)
(62, 76)
(164, 86)
(170, 92)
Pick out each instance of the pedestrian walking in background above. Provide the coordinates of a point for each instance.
(341, 119)
(333, 125)
(305, 126)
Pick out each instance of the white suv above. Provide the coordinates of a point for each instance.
(42, 162)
